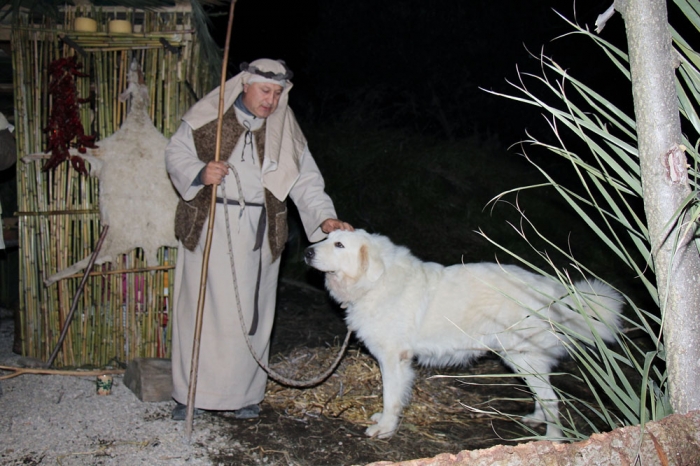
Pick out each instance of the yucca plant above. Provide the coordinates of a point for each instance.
(629, 382)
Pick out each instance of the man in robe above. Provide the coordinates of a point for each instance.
(265, 159)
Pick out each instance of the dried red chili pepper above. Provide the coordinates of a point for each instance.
(65, 129)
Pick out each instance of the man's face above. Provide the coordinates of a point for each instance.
(261, 98)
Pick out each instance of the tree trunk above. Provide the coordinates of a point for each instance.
(665, 187)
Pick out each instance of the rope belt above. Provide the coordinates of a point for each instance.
(259, 236)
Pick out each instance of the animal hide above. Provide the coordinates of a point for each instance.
(137, 199)
(8, 154)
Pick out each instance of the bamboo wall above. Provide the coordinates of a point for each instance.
(123, 312)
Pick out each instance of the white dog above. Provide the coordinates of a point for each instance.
(401, 308)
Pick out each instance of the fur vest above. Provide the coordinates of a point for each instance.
(191, 215)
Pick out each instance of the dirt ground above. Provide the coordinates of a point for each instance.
(325, 425)
(321, 425)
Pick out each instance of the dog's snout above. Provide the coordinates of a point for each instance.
(309, 254)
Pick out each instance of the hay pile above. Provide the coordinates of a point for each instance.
(354, 392)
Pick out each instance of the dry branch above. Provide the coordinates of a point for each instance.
(16, 371)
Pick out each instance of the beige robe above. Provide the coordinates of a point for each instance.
(228, 377)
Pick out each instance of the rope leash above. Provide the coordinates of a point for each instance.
(273, 375)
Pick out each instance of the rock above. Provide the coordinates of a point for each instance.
(674, 440)
(30, 362)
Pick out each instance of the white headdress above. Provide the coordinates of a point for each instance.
(267, 71)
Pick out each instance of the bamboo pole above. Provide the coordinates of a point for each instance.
(207, 246)
(59, 218)
(100, 273)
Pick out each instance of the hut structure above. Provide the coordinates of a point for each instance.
(123, 311)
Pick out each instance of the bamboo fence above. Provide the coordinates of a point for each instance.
(124, 310)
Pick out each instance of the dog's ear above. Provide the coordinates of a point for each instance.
(371, 264)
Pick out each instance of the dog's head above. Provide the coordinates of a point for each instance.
(349, 256)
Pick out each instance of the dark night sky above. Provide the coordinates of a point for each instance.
(413, 54)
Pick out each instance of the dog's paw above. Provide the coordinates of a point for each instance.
(534, 419)
(554, 433)
(538, 418)
(385, 426)
(379, 432)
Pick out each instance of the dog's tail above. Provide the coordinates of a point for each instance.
(603, 306)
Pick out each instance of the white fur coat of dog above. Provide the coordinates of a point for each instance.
(402, 308)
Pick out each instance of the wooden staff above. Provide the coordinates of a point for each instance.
(78, 292)
(194, 366)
